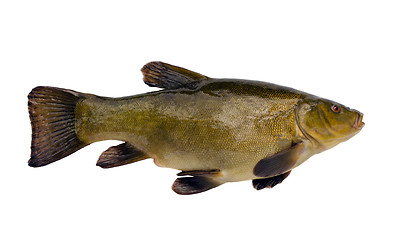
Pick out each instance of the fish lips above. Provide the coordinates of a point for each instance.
(358, 123)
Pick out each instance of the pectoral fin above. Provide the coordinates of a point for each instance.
(280, 162)
(193, 185)
(262, 183)
(120, 155)
(163, 75)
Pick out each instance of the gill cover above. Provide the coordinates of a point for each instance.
(328, 123)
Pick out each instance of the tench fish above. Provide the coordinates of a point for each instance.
(213, 130)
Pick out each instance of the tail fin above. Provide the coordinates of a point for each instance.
(52, 116)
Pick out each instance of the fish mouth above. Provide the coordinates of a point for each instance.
(358, 123)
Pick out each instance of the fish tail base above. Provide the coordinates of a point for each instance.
(52, 116)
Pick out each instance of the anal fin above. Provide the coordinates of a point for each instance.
(120, 155)
(262, 183)
(193, 185)
(199, 172)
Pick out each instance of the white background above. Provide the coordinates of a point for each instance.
(341, 50)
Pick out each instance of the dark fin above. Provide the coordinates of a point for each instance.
(280, 162)
(120, 155)
(199, 172)
(269, 182)
(163, 75)
(52, 117)
(193, 185)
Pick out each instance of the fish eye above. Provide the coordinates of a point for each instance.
(335, 108)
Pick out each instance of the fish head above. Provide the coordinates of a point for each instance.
(326, 123)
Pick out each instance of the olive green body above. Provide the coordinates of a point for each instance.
(213, 130)
(224, 124)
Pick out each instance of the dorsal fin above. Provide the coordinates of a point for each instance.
(163, 75)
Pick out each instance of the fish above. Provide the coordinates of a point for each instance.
(213, 130)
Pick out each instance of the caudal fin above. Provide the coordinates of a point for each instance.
(52, 116)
